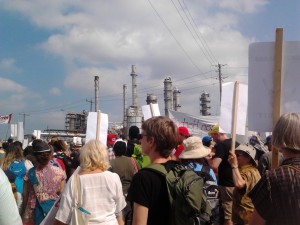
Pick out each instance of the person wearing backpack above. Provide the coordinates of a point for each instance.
(148, 192)
(193, 155)
(14, 162)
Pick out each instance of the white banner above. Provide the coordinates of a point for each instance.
(198, 126)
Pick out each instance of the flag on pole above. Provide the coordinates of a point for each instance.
(5, 119)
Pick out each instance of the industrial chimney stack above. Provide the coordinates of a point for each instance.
(134, 86)
(168, 95)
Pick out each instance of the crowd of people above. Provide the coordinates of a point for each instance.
(109, 185)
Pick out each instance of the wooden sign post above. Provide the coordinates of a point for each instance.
(234, 115)
(98, 125)
(277, 88)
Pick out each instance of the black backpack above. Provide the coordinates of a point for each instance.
(211, 193)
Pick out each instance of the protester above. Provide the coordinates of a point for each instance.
(61, 152)
(245, 176)
(276, 196)
(15, 163)
(101, 190)
(42, 186)
(9, 214)
(265, 160)
(134, 132)
(194, 154)
(125, 167)
(111, 139)
(148, 191)
(182, 134)
(219, 163)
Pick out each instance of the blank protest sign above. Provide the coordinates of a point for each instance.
(260, 81)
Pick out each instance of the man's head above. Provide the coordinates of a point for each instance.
(216, 135)
(119, 148)
(133, 132)
(183, 133)
(159, 133)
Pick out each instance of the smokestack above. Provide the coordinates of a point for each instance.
(176, 99)
(134, 86)
(168, 95)
(96, 93)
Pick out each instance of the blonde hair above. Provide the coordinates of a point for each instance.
(93, 155)
(286, 132)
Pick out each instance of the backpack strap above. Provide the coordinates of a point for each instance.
(205, 171)
(157, 167)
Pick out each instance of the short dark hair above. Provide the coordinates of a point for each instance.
(134, 131)
(119, 148)
(164, 132)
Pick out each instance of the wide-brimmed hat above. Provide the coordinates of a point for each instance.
(194, 149)
(249, 150)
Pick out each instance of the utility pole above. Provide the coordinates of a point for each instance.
(24, 115)
(220, 78)
(91, 102)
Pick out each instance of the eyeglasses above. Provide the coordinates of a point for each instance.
(140, 136)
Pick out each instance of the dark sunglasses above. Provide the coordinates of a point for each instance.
(140, 136)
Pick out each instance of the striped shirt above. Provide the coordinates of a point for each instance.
(276, 196)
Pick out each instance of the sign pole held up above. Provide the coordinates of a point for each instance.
(234, 115)
(98, 125)
(277, 84)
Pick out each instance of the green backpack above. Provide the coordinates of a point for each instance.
(185, 189)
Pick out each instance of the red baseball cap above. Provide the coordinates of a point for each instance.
(111, 138)
(184, 131)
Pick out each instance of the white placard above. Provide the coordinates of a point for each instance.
(20, 132)
(227, 105)
(13, 130)
(92, 126)
(260, 81)
(147, 111)
(37, 134)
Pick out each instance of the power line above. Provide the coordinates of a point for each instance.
(178, 43)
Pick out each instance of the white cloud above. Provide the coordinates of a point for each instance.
(8, 64)
(55, 91)
(104, 38)
(7, 85)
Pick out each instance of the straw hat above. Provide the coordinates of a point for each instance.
(194, 149)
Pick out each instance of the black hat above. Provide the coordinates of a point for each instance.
(41, 146)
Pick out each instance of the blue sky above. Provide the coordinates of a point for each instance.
(51, 51)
